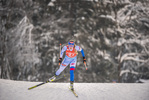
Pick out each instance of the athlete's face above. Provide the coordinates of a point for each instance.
(71, 47)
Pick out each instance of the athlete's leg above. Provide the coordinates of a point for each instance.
(72, 68)
(63, 65)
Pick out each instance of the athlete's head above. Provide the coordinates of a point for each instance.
(71, 44)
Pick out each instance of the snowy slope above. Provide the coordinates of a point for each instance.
(18, 90)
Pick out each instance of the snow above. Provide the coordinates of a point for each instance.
(141, 42)
(127, 56)
(18, 90)
(128, 71)
(51, 4)
(108, 17)
(144, 81)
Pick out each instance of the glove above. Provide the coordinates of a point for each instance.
(60, 61)
(84, 60)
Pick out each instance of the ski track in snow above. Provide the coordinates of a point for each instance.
(18, 90)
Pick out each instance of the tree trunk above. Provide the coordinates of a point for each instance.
(119, 71)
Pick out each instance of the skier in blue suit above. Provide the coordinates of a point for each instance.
(70, 58)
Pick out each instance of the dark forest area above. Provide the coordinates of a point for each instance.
(114, 35)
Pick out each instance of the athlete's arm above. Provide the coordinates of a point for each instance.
(62, 51)
(80, 49)
(82, 52)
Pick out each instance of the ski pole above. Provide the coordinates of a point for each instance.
(85, 65)
(60, 52)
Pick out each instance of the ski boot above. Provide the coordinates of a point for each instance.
(52, 78)
(71, 85)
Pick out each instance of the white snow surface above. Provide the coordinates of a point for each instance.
(18, 90)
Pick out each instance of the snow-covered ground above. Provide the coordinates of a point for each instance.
(18, 90)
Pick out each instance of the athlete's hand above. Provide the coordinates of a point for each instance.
(60, 61)
(84, 61)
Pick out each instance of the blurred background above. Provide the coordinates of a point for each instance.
(113, 33)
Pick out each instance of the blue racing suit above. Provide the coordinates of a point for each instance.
(70, 58)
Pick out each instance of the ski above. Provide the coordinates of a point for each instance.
(73, 91)
(45, 82)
